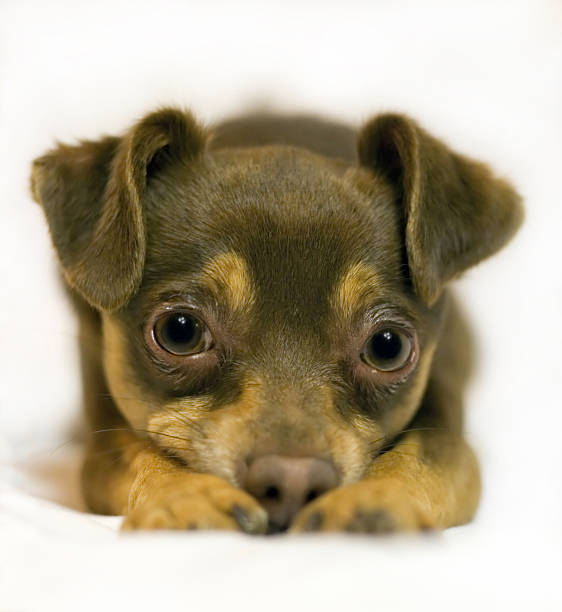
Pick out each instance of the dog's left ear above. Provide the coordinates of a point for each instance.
(92, 196)
(455, 212)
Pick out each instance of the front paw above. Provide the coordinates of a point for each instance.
(369, 506)
(196, 501)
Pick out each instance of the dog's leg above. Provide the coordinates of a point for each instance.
(127, 475)
(429, 478)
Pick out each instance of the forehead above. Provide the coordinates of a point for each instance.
(280, 225)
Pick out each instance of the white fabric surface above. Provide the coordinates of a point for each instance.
(54, 558)
(486, 76)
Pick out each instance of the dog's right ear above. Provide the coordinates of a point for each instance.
(92, 197)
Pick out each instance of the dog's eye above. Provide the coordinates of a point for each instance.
(387, 350)
(180, 333)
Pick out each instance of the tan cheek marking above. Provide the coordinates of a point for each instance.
(208, 440)
(227, 275)
(358, 282)
(230, 431)
(367, 428)
(129, 398)
(178, 422)
(347, 438)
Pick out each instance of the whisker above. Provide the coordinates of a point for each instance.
(64, 444)
(411, 429)
(137, 429)
(175, 409)
(116, 449)
(396, 452)
(186, 419)
(396, 440)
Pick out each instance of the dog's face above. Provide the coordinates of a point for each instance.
(273, 316)
(269, 301)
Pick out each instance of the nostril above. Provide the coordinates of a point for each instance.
(312, 495)
(272, 493)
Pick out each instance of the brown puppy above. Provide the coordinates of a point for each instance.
(266, 340)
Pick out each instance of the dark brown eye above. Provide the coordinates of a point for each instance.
(387, 350)
(180, 333)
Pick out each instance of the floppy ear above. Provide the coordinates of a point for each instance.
(456, 212)
(92, 197)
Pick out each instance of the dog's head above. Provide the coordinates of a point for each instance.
(269, 302)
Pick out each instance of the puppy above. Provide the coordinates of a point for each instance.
(266, 338)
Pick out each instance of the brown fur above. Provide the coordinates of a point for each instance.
(291, 248)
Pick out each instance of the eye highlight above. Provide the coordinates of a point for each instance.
(180, 333)
(388, 350)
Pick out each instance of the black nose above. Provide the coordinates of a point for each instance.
(283, 485)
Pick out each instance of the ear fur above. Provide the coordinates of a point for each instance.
(456, 212)
(92, 197)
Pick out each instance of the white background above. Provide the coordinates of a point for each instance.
(484, 76)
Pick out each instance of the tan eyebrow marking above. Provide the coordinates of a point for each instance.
(355, 285)
(228, 277)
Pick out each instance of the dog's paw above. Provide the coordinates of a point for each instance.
(369, 506)
(197, 501)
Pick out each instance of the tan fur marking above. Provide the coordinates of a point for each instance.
(227, 275)
(176, 425)
(356, 284)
